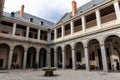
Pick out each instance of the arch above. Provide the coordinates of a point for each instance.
(31, 57)
(80, 56)
(4, 55)
(17, 58)
(89, 40)
(93, 41)
(59, 56)
(5, 42)
(66, 46)
(58, 47)
(68, 53)
(78, 43)
(108, 35)
(42, 57)
(112, 46)
(95, 56)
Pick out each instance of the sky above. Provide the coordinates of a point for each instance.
(51, 10)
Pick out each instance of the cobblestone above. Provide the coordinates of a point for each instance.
(59, 75)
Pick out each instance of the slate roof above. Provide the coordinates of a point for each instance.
(83, 8)
(26, 18)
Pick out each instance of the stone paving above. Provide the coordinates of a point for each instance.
(59, 75)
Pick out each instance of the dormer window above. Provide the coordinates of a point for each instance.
(42, 23)
(31, 19)
(12, 14)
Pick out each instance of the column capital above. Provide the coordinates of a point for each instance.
(82, 16)
(55, 51)
(37, 53)
(63, 50)
(86, 47)
(62, 26)
(37, 50)
(73, 48)
(102, 44)
(97, 9)
(11, 48)
(26, 49)
(15, 23)
(115, 0)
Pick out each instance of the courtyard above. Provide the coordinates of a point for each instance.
(59, 75)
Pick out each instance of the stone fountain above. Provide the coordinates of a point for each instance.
(49, 70)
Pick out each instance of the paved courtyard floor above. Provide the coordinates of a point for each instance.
(59, 75)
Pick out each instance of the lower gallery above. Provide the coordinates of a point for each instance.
(85, 38)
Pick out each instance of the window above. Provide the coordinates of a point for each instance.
(24, 33)
(7, 23)
(42, 23)
(59, 32)
(30, 35)
(35, 36)
(31, 19)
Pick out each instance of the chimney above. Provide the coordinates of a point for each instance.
(22, 11)
(74, 7)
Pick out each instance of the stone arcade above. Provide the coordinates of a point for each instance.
(86, 38)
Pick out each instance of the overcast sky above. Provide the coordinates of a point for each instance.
(51, 10)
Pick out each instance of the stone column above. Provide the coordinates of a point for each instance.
(98, 18)
(55, 34)
(112, 50)
(87, 58)
(63, 59)
(27, 33)
(25, 59)
(49, 36)
(10, 58)
(37, 57)
(72, 27)
(83, 24)
(14, 29)
(73, 58)
(62, 31)
(55, 59)
(48, 57)
(104, 58)
(38, 37)
(117, 9)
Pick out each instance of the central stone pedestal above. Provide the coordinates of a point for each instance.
(49, 71)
